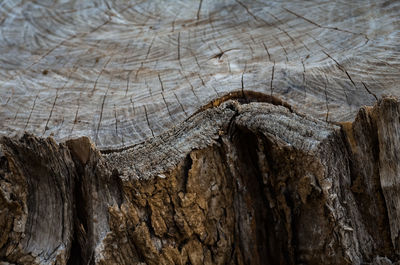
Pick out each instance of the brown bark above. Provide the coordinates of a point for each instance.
(269, 187)
(199, 132)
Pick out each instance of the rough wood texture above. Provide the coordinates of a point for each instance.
(270, 186)
(122, 72)
(207, 132)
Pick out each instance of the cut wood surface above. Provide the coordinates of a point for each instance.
(203, 132)
(121, 72)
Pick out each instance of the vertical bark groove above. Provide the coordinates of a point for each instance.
(269, 187)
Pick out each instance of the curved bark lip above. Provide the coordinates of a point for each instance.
(239, 96)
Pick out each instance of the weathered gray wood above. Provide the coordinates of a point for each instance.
(227, 132)
(251, 183)
(120, 72)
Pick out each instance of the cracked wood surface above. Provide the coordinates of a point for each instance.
(239, 183)
(123, 72)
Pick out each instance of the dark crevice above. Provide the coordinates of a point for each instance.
(80, 247)
(186, 168)
(117, 187)
(75, 256)
(80, 240)
(271, 246)
(148, 221)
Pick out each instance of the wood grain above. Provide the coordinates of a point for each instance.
(253, 183)
(121, 72)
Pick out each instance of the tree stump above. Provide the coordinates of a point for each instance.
(203, 132)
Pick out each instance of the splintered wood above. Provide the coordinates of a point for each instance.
(122, 72)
